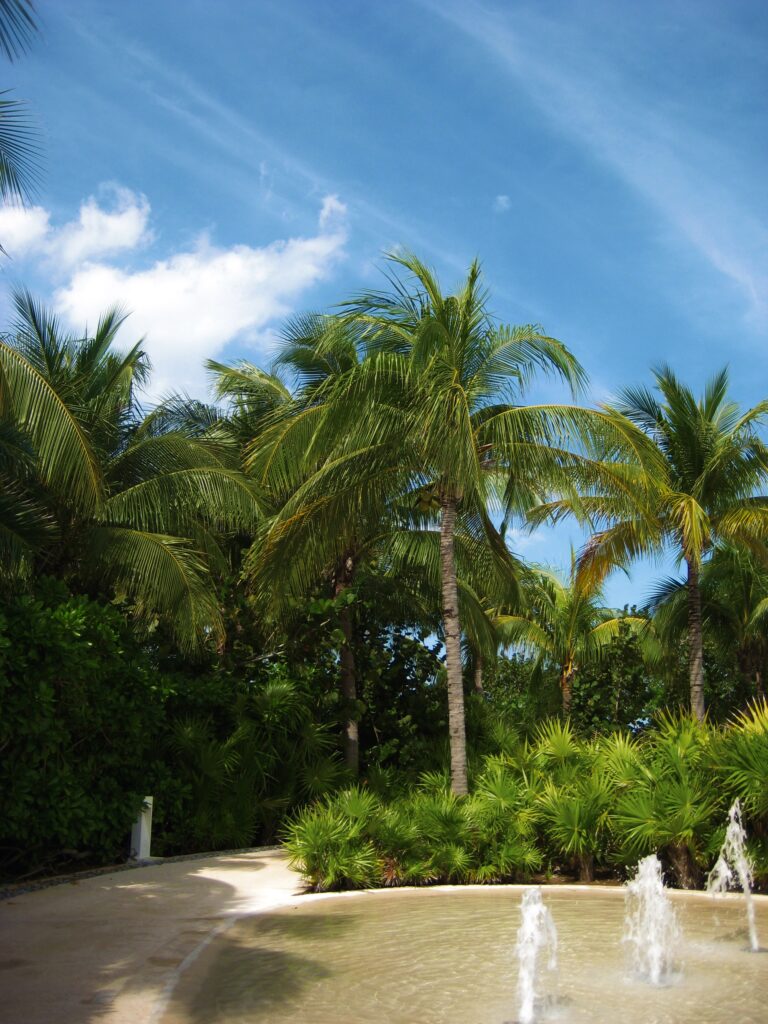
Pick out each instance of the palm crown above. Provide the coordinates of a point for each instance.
(121, 501)
(424, 420)
(565, 624)
(704, 487)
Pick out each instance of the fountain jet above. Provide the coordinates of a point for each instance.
(537, 932)
(734, 867)
(651, 928)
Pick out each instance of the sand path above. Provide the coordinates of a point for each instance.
(110, 948)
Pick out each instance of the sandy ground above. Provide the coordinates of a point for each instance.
(110, 948)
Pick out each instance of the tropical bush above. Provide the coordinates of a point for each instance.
(80, 710)
(308, 583)
(91, 721)
(558, 802)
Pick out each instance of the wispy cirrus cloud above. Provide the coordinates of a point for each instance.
(688, 178)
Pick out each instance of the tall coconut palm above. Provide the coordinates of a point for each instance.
(433, 409)
(274, 426)
(734, 607)
(566, 625)
(703, 488)
(354, 511)
(127, 506)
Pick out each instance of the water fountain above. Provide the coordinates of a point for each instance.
(733, 866)
(651, 928)
(537, 932)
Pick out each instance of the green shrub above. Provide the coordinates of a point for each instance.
(89, 726)
(574, 805)
(80, 714)
(672, 808)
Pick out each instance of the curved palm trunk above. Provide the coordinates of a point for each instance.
(567, 675)
(347, 669)
(586, 867)
(684, 867)
(452, 630)
(695, 642)
(759, 688)
(478, 674)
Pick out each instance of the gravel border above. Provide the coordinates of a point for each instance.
(11, 889)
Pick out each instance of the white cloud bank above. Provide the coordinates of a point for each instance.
(97, 231)
(189, 306)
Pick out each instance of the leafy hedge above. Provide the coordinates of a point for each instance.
(556, 803)
(79, 715)
(90, 724)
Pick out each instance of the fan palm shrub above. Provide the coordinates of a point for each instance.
(671, 808)
(574, 817)
(739, 757)
(504, 820)
(329, 850)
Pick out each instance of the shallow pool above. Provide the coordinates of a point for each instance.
(438, 956)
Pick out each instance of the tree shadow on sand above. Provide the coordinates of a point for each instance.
(253, 969)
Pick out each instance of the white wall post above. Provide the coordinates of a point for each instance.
(141, 833)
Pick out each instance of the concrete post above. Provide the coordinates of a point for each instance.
(141, 833)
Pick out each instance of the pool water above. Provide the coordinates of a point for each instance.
(439, 956)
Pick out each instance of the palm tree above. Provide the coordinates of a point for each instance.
(703, 488)
(565, 625)
(431, 410)
(123, 502)
(336, 537)
(18, 149)
(273, 426)
(734, 606)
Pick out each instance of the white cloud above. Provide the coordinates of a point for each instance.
(521, 540)
(190, 306)
(23, 229)
(333, 211)
(501, 204)
(96, 232)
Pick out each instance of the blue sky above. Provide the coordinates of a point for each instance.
(215, 167)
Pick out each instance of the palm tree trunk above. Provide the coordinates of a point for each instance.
(566, 685)
(759, 689)
(695, 642)
(347, 669)
(452, 631)
(478, 674)
(684, 867)
(586, 867)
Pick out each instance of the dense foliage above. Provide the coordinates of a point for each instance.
(558, 804)
(81, 710)
(93, 721)
(245, 607)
